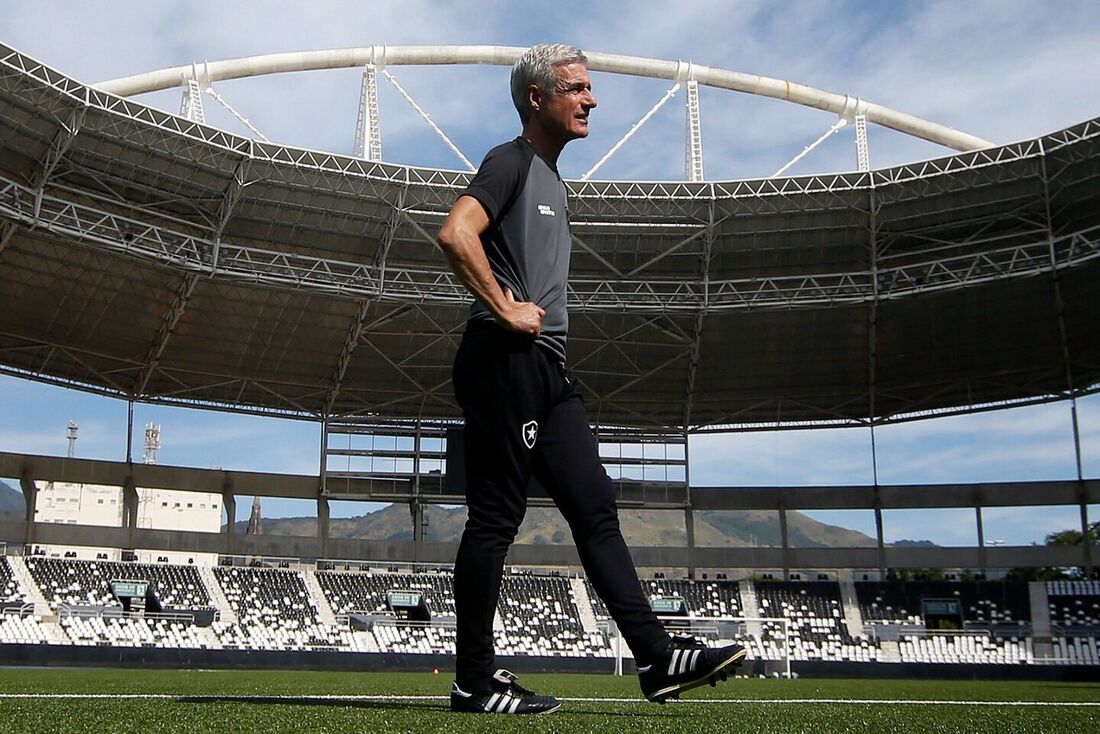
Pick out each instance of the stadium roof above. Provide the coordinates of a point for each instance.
(150, 257)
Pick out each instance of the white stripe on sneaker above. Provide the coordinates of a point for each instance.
(514, 706)
(492, 701)
(673, 664)
(694, 658)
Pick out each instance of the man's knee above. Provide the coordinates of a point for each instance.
(597, 514)
(492, 528)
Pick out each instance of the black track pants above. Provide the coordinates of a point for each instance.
(523, 416)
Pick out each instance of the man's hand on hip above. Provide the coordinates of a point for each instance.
(523, 317)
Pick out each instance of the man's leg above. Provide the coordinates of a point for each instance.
(567, 463)
(493, 384)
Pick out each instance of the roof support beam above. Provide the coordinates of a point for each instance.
(393, 223)
(872, 329)
(7, 231)
(356, 331)
(1063, 335)
(368, 132)
(58, 147)
(164, 333)
(351, 341)
(697, 334)
(228, 203)
(693, 161)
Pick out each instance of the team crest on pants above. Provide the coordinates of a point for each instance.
(530, 432)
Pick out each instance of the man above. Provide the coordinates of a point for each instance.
(507, 239)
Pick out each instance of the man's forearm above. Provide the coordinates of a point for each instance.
(468, 262)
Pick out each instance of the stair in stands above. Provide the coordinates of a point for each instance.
(30, 589)
(749, 608)
(217, 596)
(889, 651)
(47, 618)
(317, 596)
(208, 637)
(584, 605)
(1040, 619)
(853, 618)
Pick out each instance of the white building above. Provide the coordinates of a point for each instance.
(158, 509)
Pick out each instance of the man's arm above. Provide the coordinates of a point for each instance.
(460, 240)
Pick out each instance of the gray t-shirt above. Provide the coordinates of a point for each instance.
(527, 242)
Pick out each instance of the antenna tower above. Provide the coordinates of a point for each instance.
(71, 436)
(152, 442)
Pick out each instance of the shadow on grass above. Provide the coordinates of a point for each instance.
(398, 705)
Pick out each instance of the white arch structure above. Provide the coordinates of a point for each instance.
(846, 106)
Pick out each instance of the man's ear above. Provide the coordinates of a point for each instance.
(534, 96)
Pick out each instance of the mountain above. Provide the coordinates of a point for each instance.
(545, 526)
(12, 506)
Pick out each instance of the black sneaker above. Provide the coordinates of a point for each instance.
(687, 664)
(506, 697)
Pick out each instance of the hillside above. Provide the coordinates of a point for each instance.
(12, 505)
(545, 526)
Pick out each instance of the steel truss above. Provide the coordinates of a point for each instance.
(134, 237)
(658, 265)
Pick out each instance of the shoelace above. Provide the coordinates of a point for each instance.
(513, 686)
(687, 641)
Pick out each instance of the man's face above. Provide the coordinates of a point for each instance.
(565, 109)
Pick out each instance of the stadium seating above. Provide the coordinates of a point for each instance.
(537, 614)
(956, 649)
(1077, 650)
(131, 632)
(1074, 603)
(816, 628)
(415, 639)
(274, 612)
(21, 628)
(87, 583)
(982, 602)
(10, 593)
(365, 591)
(703, 598)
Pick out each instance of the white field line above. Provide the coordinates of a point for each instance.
(741, 701)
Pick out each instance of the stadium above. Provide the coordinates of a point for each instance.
(205, 269)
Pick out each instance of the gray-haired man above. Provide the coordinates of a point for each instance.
(507, 239)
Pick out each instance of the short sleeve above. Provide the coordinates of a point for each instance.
(499, 179)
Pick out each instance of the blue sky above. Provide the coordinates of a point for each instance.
(999, 70)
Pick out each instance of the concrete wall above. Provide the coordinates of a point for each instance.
(32, 469)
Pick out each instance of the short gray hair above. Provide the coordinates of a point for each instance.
(537, 66)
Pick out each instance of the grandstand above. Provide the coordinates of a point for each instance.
(540, 617)
(940, 287)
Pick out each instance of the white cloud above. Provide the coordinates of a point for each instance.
(1001, 70)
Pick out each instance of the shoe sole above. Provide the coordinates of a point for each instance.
(721, 670)
(483, 711)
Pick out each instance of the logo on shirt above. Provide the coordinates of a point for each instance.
(530, 431)
(546, 211)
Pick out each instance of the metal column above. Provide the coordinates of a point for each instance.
(368, 132)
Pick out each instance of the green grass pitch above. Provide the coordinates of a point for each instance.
(151, 701)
